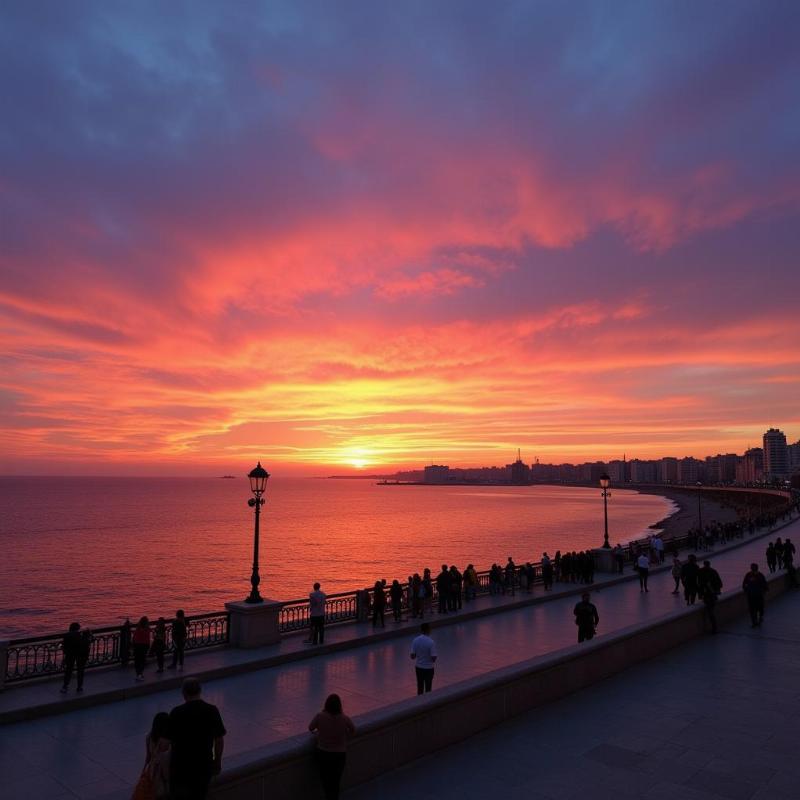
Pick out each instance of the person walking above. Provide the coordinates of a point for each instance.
(396, 596)
(141, 646)
(755, 586)
(586, 618)
(197, 734)
(378, 605)
(443, 588)
(677, 568)
(689, 577)
(332, 728)
(71, 647)
(159, 646)
(658, 546)
(709, 586)
(772, 557)
(788, 562)
(316, 615)
(154, 779)
(779, 552)
(643, 568)
(423, 653)
(178, 639)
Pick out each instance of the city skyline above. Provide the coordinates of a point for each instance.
(364, 238)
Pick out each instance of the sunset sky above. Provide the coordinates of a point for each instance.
(374, 234)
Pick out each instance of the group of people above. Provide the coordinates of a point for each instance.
(780, 555)
(183, 749)
(145, 641)
(140, 640)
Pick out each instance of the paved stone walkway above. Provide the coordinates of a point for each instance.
(97, 752)
(715, 719)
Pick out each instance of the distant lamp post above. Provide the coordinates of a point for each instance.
(605, 482)
(699, 506)
(258, 483)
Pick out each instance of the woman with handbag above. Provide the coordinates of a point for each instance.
(153, 783)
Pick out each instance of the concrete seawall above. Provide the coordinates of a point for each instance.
(398, 734)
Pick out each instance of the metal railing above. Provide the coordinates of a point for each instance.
(41, 656)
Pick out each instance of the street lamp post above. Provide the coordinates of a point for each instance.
(258, 483)
(605, 481)
(699, 506)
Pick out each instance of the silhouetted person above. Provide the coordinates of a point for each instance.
(470, 583)
(178, 639)
(197, 735)
(689, 577)
(779, 552)
(677, 567)
(530, 576)
(643, 568)
(586, 618)
(125, 642)
(141, 646)
(423, 653)
(154, 780)
(772, 557)
(456, 581)
(71, 647)
(443, 588)
(396, 594)
(159, 646)
(755, 587)
(547, 572)
(417, 595)
(333, 728)
(378, 605)
(511, 577)
(619, 557)
(709, 585)
(316, 615)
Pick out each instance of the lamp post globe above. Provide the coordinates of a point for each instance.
(258, 477)
(605, 482)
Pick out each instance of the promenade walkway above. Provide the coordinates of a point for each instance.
(97, 751)
(716, 718)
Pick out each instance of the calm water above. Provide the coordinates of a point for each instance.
(98, 549)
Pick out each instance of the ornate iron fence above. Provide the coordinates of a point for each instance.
(41, 656)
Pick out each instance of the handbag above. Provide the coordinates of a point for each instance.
(144, 789)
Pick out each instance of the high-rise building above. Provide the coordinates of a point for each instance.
(644, 471)
(520, 471)
(776, 454)
(751, 466)
(669, 470)
(794, 456)
(437, 473)
(688, 470)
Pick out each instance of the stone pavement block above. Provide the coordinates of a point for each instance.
(722, 784)
(666, 790)
(37, 787)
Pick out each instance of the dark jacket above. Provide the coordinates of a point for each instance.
(586, 615)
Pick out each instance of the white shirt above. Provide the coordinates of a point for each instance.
(643, 562)
(316, 604)
(424, 650)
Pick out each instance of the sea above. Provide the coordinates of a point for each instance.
(97, 550)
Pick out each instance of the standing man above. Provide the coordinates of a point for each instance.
(755, 587)
(709, 585)
(423, 653)
(71, 647)
(689, 577)
(316, 614)
(619, 557)
(586, 618)
(197, 735)
(443, 588)
(178, 639)
(643, 566)
(658, 544)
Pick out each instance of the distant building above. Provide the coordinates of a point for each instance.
(669, 470)
(644, 471)
(776, 454)
(437, 473)
(618, 471)
(721, 468)
(520, 471)
(689, 470)
(794, 456)
(751, 466)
